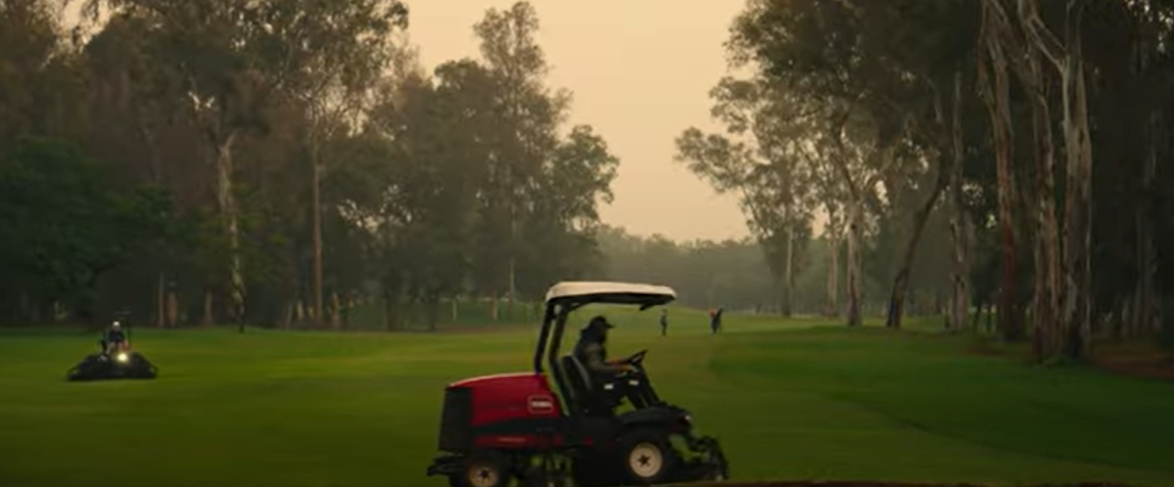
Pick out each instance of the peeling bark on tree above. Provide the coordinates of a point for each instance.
(1075, 323)
(1046, 296)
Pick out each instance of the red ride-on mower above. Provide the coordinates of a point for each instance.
(495, 429)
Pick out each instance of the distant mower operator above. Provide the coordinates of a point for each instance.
(116, 360)
(500, 428)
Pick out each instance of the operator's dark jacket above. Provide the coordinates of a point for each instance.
(590, 350)
(113, 336)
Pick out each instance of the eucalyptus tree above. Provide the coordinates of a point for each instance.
(894, 60)
(334, 51)
(759, 159)
(527, 136)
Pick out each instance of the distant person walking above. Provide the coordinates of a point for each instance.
(715, 320)
(664, 321)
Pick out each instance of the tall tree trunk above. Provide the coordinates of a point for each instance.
(432, 310)
(172, 307)
(1145, 253)
(1081, 215)
(960, 228)
(161, 300)
(788, 268)
(1075, 322)
(1078, 189)
(997, 98)
(288, 315)
(855, 231)
(335, 311)
(228, 209)
(1046, 302)
(901, 282)
(512, 264)
(316, 223)
(209, 317)
(833, 252)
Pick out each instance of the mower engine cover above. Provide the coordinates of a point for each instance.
(497, 411)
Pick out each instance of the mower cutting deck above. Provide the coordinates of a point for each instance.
(124, 365)
(500, 428)
(116, 362)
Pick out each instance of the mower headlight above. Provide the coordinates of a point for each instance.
(122, 357)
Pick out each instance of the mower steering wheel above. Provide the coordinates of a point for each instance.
(636, 358)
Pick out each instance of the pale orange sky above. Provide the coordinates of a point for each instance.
(640, 71)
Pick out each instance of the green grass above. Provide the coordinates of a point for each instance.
(788, 400)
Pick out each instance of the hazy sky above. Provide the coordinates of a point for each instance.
(640, 71)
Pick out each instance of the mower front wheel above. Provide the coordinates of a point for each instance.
(486, 469)
(647, 457)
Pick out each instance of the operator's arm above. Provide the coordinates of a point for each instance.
(595, 363)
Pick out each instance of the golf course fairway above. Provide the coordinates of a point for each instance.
(790, 400)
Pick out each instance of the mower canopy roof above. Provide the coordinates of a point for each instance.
(584, 292)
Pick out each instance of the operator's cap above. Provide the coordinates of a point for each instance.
(599, 323)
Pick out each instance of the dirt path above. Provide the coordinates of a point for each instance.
(1137, 359)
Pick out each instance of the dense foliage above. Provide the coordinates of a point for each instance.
(278, 161)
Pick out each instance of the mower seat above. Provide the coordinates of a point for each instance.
(587, 399)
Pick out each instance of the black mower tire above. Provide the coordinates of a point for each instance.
(646, 457)
(483, 469)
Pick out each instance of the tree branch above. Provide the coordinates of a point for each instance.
(1044, 39)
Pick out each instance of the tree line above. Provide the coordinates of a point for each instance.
(200, 161)
(233, 161)
(739, 275)
(1036, 130)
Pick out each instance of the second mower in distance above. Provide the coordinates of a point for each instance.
(114, 360)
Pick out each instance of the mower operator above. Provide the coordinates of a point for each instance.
(591, 351)
(112, 337)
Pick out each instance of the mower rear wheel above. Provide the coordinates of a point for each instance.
(647, 457)
(482, 470)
